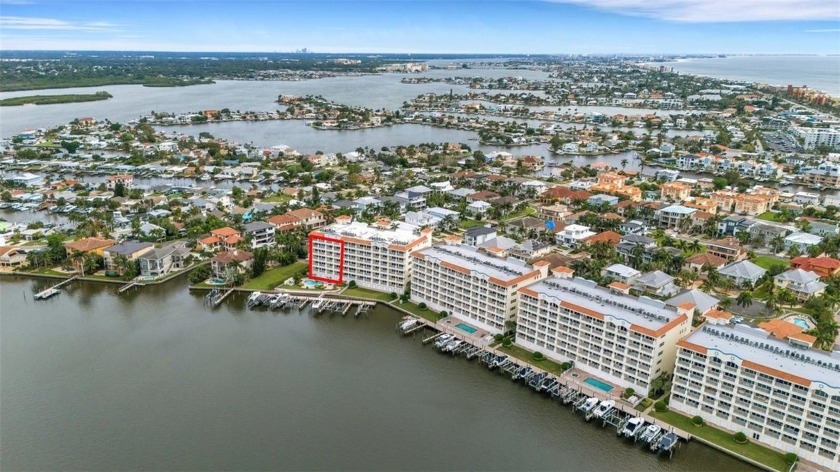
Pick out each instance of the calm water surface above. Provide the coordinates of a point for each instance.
(153, 380)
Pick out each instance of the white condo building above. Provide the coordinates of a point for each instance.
(813, 137)
(626, 340)
(471, 284)
(778, 392)
(376, 256)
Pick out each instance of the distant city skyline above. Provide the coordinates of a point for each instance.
(430, 26)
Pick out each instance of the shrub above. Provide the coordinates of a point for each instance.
(791, 458)
(443, 314)
(698, 421)
(352, 284)
(498, 338)
(200, 274)
(421, 305)
(740, 437)
(394, 295)
(538, 356)
(506, 341)
(629, 392)
(660, 407)
(566, 366)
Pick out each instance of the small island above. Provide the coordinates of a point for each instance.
(53, 99)
(175, 82)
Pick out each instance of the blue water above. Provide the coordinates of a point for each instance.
(311, 283)
(466, 328)
(801, 323)
(598, 384)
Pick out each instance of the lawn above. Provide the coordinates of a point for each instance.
(274, 277)
(767, 262)
(414, 309)
(528, 356)
(724, 439)
(529, 211)
(367, 293)
(278, 198)
(467, 224)
(770, 216)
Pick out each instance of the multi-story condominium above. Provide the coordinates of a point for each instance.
(752, 204)
(724, 199)
(814, 137)
(675, 191)
(375, 256)
(259, 233)
(471, 284)
(625, 340)
(778, 392)
(827, 174)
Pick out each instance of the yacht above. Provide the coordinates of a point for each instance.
(633, 427)
(605, 407)
(521, 373)
(651, 432)
(442, 340)
(405, 325)
(317, 304)
(548, 385)
(537, 380)
(589, 404)
(253, 298)
(665, 444)
(453, 345)
(498, 361)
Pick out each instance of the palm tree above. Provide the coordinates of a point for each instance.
(624, 163)
(786, 297)
(725, 303)
(695, 246)
(745, 299)
(777, 243)
(826, 333)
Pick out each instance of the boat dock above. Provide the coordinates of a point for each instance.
(597, 406)
(133, 283)
(54, 290)
(320, 303)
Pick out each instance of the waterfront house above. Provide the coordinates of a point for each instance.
(236, 261)
(727, 248)
(161, 261)
(95, 245)
(131, 250)
(127, 180)
(13, 256)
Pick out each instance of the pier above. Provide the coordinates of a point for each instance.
(54, 290)
(133, 283)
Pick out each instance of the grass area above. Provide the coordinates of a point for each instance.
(274, 277)
(412, 308)
(278, 198)
(770, 216)
(528, 356)
(724, 439)
(467, 224)
(644, 404)
(52, 99)
(48, 271)
(367, 293)
(529, 211)
(767, 262)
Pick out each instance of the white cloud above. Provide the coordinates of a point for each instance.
(29, 23)
(714, 11)
(827, 30)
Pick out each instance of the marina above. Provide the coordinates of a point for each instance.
(593, 404)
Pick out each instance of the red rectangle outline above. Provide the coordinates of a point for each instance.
(312, 238)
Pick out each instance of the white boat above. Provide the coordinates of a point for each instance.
(442, 340)
(589, 404)
(605, 407)
(408, 324)
(633, 427)
(317, 304)
(253, 297)
(651, 432)
(453, 345)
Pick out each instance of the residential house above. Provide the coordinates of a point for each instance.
(675, 191)
(93, 245)
(161, 261)
(530, 249)
(259, 234)
(804, 284)
(12, 256)
(671, 216)
(822, 266)
(573, 235)
(479, 234)
(727, 248)
(222, 238)
(656, 283)
(732, 225)
(236, 261)
(478, 208)
(131, 250)
(702, 301)
(698, 261)
(310, 219)
(621, 273)
(803, 241)
(743, 271)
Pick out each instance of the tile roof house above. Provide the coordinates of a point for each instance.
(697, 261)
(822, 266)
(727, 248)
(235, 260)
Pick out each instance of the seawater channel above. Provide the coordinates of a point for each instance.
(152, 379)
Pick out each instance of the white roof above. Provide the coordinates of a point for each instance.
(623, 270)
(404, 233)
(759, 347)
(478, 262)
(804, 238)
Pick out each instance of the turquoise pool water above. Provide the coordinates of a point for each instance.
(801, 323)
(311, 283)
(598, 384)
(466, 328)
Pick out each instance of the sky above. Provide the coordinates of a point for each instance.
(426, 26)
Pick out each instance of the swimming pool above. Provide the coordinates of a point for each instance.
(311, 283)
(466, 328)
(598, 384)
(801, 323)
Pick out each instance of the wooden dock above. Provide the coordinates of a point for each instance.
(219, 300)
(133, 283)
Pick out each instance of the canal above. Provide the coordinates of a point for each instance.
(154, 380)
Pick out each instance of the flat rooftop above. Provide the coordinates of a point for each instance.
(641, 311)
(470, 258)
(402, 234)
(756, 345)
